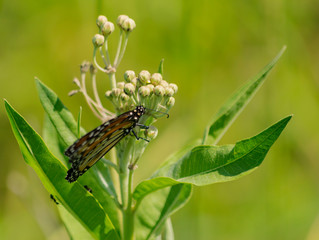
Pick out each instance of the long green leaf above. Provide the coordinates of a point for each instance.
(82, 205)
(98, 177)
(235, 104)
(212, 164)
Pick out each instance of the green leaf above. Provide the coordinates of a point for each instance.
(74, 228)
(156, 208)
(212, 164)
(151, 185)
(161, 67)
(53, 141)
(81, 204)
(235, 104)
(98, 178)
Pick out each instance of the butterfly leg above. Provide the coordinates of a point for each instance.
(138, 138)
(142, 126)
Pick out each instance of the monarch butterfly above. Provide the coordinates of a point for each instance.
(90, 148)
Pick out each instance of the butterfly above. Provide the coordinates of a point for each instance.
(90, 148)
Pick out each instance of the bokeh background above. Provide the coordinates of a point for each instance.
(210, 49)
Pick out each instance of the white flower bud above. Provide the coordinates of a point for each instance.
(120, 85)
(144, 77)
(98, 40)
(164, 83)
(134, 81)
(73, 92)
(128, 25)
(151, 87)
(151, 132)
(77, 82)
(121, 19)
(156, 79)
(108, 94)
(93, 70)
(129, 89)
(170, 103)
(144, 91)
(124, 97)
(129, 75)
(85, 67)
(107, 28)
(100, 20)
(116, 92)
(174, 87)
(159, 90)
(169, 92)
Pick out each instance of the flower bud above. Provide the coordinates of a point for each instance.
(93, 69)
(128, 25)
(144, 77)
(129, 89)
(134, 81)
(73, 92)
(107, 28)
(98, 40)
(120, 85)
(169, 92)
(170, 103)
(156, 79)
(151, 87)
(164, 83)
(85, 67)
(174, 87)
(77, 82)
(159, 90)
(108, 94)
(129, 75)
(120, 20)
(100, 20)
(124, 97)
(116, 92)
(151, 132)
(144, 91)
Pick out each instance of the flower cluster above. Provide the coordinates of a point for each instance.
(146, 89)
(150, 91)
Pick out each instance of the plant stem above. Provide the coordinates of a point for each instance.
(118, 49)
(112, 79)
(122, 51)
(128, 214)
(126, 182)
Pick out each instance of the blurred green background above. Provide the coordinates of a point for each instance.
(210, 48)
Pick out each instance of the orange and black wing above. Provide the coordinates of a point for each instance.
(90, 148)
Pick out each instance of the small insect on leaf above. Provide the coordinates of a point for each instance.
(90, 148)
(88, 189)
(54, 200)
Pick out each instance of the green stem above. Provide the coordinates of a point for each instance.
(108, 59)
(126, 182)
(118, 48)
(122, 51)
(128, 214)
(112, 79)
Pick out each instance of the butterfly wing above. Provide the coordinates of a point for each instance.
(90, 148)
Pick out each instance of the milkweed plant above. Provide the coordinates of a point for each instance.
(102, 203)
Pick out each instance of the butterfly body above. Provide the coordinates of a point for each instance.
(90, 148)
